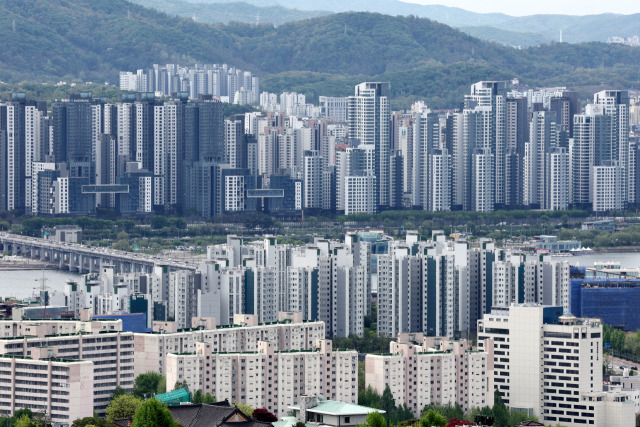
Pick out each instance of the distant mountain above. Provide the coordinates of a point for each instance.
(93, 40)
(576, 29)
(547, 27)
(505, 37)
(452, 16)
(214, 13)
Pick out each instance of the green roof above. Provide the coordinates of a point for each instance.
(332, 407)
(175, 397)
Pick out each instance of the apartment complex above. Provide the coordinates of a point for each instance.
(423, 370)
(266, 377)
(549, 364)
(59, 389)
(152, 349)
(109, 353)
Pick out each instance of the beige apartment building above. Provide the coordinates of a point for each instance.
(267, 377)
(58, 389)
(420, 370)
(109, 353)
(289, 333)
(41, 328)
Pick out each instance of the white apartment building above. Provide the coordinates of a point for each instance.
(359, 194)
(606, 188)
(549, 364)
(432, 370)
(266, 377)
(557, 179)
(151, 349)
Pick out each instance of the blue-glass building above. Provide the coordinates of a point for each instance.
(614, 300)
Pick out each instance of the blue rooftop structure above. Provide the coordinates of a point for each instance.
(131, 322)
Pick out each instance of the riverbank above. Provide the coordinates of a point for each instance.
(18, 263)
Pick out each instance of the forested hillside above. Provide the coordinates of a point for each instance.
(93, 40)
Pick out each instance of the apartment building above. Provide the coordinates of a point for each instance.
(268, 378)
(110, 354)
(289, 333)
(59, 389)
(549, 364)
(42, 328)
(421, 370)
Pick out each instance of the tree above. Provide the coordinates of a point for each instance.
(263, 414)
(178, 385)
(208, 398)
(162, 385)
(388, 403)
(500, 411)
(433, 418)
(369, 397)
(24, 421)
(123, 407)
(374, 419)
(180, 223)
(148, 384)
(153, 413)
(118, 391)
(245, 408)
(158, 222)
(19, 414)
(197, 397)
(90, 421)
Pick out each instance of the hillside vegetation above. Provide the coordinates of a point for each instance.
(92, 41)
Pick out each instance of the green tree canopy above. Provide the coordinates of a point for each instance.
(245, 408)
(374, 419)
(123, 407)
(432, 418)
(197, 397)
(153, 413)
(148, 384)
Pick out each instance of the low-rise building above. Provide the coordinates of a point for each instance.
(316, 410)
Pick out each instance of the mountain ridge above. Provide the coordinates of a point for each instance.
(91, 41)
(576, 28)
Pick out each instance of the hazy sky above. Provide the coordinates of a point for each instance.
(520, 7)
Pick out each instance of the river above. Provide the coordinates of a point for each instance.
(22, 283)
(626, 259)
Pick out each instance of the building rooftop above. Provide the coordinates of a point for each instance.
(332, 407)
(175, 397)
